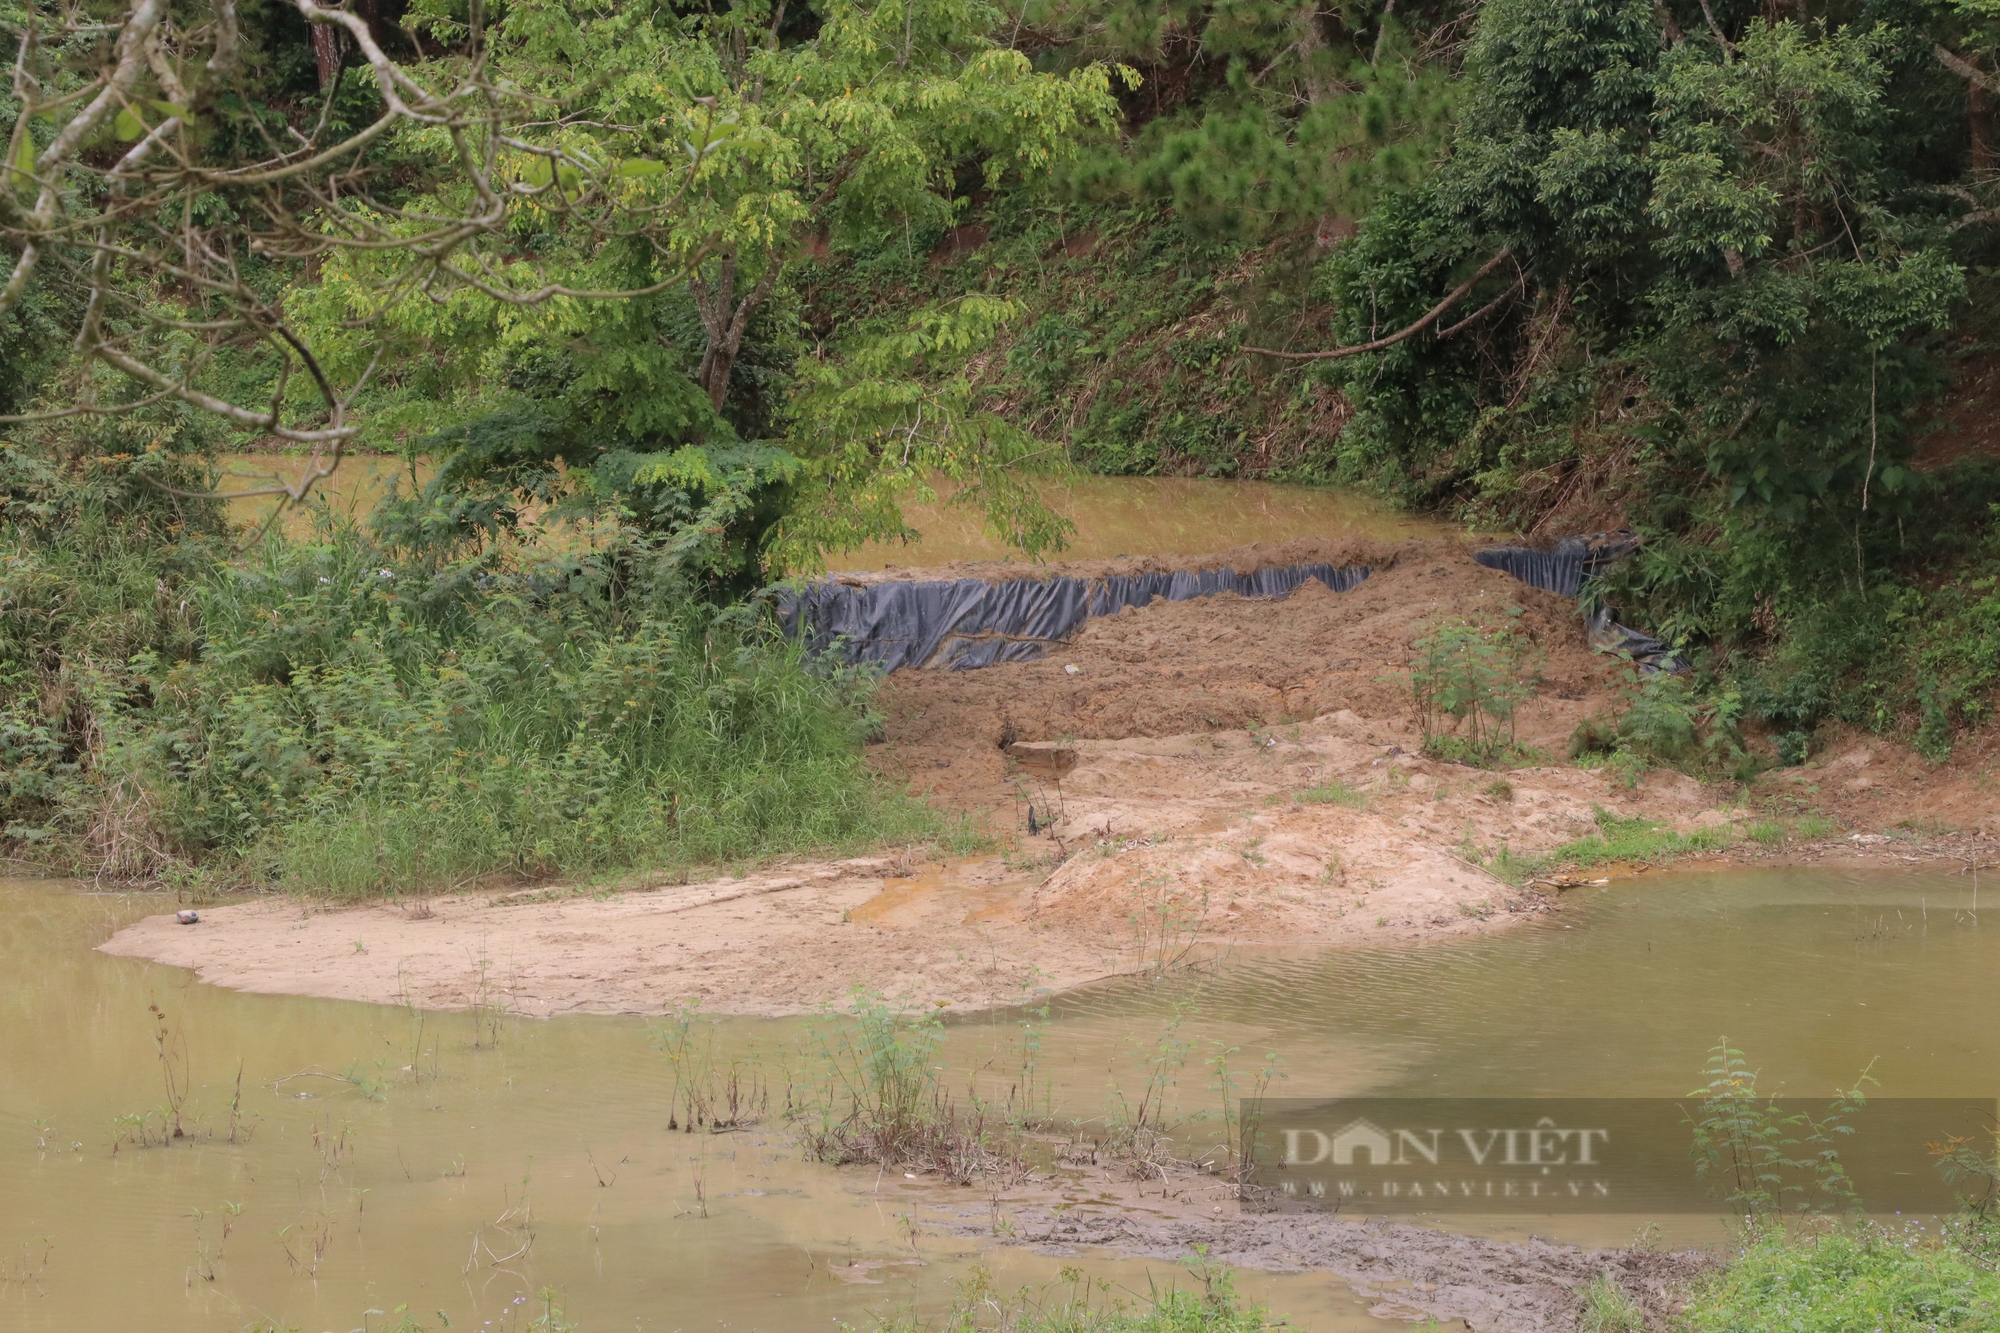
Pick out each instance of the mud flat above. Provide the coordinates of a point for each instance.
(1201, 774)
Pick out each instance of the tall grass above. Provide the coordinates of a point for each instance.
(370, 727)
(352, 715)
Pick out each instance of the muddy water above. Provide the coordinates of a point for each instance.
(1153, 516)
(388, 1159)
(352, 491)
(1113, 515)
(1814, 974)
(458, 1150)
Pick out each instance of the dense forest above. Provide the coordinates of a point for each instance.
(723, 285)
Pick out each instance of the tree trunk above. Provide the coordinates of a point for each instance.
(326, 51)
(724, 321)
(1978, 121)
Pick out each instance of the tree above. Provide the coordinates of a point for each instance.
(555, 158)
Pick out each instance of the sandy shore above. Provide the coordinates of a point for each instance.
(1200, 775)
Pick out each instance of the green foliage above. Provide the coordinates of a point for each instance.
(872, 431)
(98, 558)
(878, 1093)
(1466, 681)
(1618, 841)
(361, 724)
(1727, 261)
(1669, 723)
(1840, 1281)
(1927, 651)
(354, 716)
(847, 132)
(1334, 792)
(1304, 113)
(1607, 1309)
(1770, 1158)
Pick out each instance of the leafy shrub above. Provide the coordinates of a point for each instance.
(1667, 723)
(354, 716)
(1466, 681)
(1770, 1158)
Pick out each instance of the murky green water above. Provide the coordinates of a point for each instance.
(1113, 515)
(465, 1154)
(1814, 974)
(1153, 516)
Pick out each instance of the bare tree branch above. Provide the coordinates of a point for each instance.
(1430, 317)
(1966, 70)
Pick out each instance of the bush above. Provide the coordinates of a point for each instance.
(352, 716)
(1466, 682)
(1865, 1281)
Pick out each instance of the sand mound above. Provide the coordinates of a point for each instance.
(1228, 662)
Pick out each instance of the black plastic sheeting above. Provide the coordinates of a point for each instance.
(1564, 570)
(962, 624)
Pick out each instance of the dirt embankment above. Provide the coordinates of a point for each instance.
(1200, 774)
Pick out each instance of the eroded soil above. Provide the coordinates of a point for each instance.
(1199, 774)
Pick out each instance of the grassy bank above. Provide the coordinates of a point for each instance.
(353, 715)
(1853, 1280)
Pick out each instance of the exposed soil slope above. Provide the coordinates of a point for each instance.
(1203, 774)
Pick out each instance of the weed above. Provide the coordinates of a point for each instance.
(490, 1003)
(1765, 1156)
(1499, 789)
(1618, 841)
(1074, 1304)
(879, 1097)
(1242, 1114)
(1767, 832)
(27, 1270)
(172, 1052)
(1607, 1309)
(704, 1096)
(1167, 934)
(206, 1258)
(516, 1228)
(1466, 682)
(353, 718)
(330, 1145)
(1666, 723)
(1839, 1280)
(306, 1241)
(1334, 792)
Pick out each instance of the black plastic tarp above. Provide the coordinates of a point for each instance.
(1564, 570)
(1561, 570)
(960, 624)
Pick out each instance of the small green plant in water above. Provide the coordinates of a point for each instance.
(877, 1095)
(1769, 1157)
